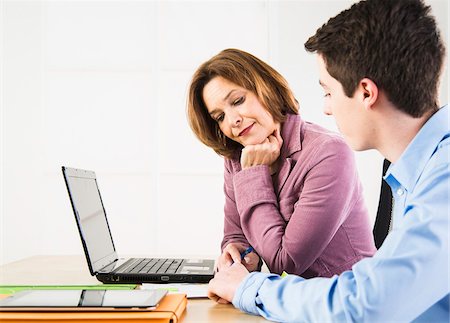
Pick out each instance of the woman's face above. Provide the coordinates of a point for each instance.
(240, 115)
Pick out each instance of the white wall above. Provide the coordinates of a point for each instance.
(102, 86)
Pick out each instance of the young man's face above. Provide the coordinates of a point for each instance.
(350, 113)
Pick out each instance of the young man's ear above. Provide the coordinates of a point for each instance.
(369, 92)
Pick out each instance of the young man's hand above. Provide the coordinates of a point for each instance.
(265, 153)
(225, 283)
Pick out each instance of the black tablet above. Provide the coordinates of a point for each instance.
(82, 300)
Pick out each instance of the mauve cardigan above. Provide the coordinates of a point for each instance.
(310, 218)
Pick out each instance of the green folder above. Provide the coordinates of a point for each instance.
(10, 289)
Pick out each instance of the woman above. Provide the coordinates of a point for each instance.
(291, 187)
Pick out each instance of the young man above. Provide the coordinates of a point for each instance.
(380, 62)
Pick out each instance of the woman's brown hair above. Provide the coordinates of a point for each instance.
(244, 70)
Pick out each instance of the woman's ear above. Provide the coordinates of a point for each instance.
(369, 91)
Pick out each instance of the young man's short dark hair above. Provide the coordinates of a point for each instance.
(398, 55)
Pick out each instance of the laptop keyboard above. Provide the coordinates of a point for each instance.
(153, 266)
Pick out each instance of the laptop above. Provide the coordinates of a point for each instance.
(98, 244)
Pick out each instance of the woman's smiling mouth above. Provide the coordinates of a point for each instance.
(246, 130)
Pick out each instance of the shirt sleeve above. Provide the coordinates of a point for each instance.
(330, 189)
(232, 225)
(406, 277)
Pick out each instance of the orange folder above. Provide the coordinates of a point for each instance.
(169, 310)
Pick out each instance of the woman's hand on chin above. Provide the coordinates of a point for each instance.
(265, 153)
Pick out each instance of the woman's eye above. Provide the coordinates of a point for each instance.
(220, 117)
(327, 95)
(239, 101)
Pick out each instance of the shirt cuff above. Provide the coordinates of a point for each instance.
(245, 296)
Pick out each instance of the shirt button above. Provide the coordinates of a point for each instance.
(400, 191)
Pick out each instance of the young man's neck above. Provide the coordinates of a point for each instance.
(396, 129)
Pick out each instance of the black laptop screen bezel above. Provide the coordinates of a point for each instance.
(94, 267)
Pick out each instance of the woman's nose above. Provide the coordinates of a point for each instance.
(234, 119)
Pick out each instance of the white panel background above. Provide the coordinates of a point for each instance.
(102, 85)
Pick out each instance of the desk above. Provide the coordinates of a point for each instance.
(72, 270)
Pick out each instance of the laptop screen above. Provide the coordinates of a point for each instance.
(90, 217)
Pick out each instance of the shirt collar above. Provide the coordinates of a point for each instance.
(416, 155)
(292, 134)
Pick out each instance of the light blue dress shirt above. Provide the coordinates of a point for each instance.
(407, 279)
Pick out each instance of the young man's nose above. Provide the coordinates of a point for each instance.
(327, 110)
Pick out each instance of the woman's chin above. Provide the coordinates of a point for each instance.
(252, 142)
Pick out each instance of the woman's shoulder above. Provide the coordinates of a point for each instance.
(316, 135)
(325, 147)
(303, 137)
